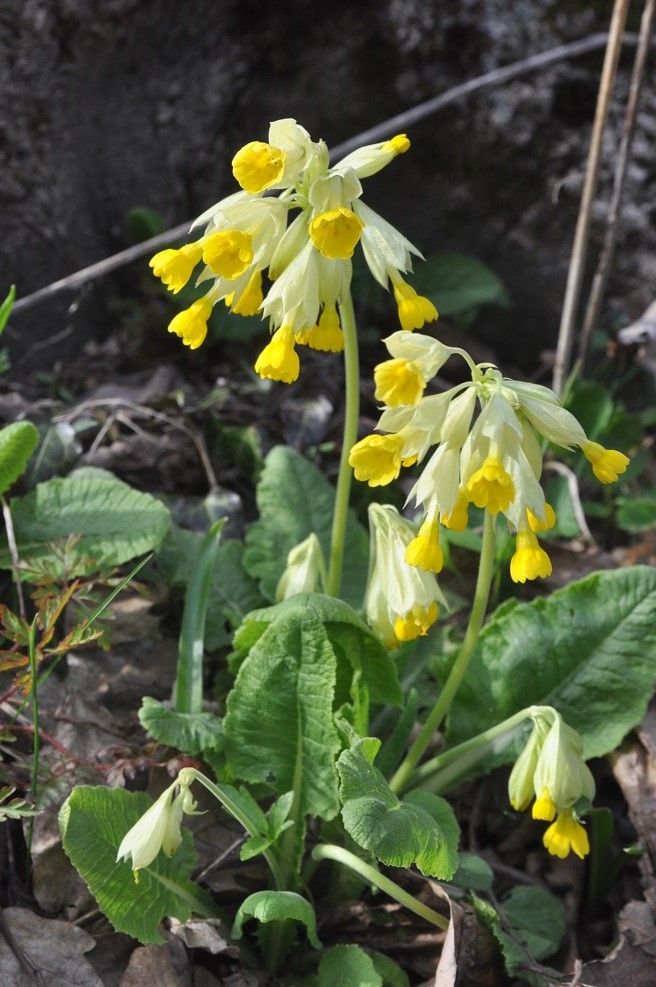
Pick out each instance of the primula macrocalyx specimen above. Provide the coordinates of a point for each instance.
(159, 827)
(492, 459)
(174, 267)
(424, 550)
(552, 768)
(191, 324)
(303, 236)
(401, 602)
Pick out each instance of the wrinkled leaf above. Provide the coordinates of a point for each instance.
(588, 649)
(420, 830)
(113, 522)
(277, 906)
(93, 822)
(191, 733)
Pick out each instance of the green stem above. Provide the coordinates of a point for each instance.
(438, 773)
(328, 851)
(452, 684)
(225, 799)
(349, 436)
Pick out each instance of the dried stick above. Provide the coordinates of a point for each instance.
(579, 248)
(379, 132)
(600, 279)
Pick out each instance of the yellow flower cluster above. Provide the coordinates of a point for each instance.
(308, 260)
(493, 460)
(551, 768)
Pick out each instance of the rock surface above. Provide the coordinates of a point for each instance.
(111, 104)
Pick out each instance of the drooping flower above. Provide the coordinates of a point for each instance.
(159, 827)
(303, 232)
(566, 834)
(492, 460)
(279, 359)
(401, 602)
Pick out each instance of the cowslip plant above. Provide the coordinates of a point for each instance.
(312, 672)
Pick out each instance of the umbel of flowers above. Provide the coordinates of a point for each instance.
(288, 255)
(492, 459)
(551, 769)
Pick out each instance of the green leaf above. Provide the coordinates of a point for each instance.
(354, 643)
(474, 873)
(191, 733)
(420, 829)
(588, 649)
(456, 284)
(638, 513)
(93, 821)
(346, 966)
(533, 923)
(188, 691)
(279, 723)
(391, 973)
(294, 500)
(6, 307)
(114, 522)
(273, 825)
(17, 443)
(277, 906)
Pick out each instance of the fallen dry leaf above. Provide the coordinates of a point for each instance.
(52, 949)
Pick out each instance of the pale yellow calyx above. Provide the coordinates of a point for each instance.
(191, 324)
(327, 335)
(491, 487)
(530, 560)
(398, 382)
(376, 459)
(424, 551)
(566, 834)
(416, 622)
(174, 267)
(279, 360)
(257, 166)
(607, 464)
(335, 233)
(414, 310)
(228, 253)
(397, 145)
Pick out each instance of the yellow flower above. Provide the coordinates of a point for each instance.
(414, 309)
(398, 382)
(377, 459)
(228, 253)
(174, 267)
(191, 324)
(607, 464)
(279, 360)
(566, 834)
(424, 550)
(530, 561)
(544, 807)
(490, 487)
(458, 517)
(335, 233)
(257, 166)
(416, 622)
(397, 145)
(401, 602)
(250, 299)
(537, 524)
(327, 335)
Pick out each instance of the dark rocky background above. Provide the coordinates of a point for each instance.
(111, 104)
